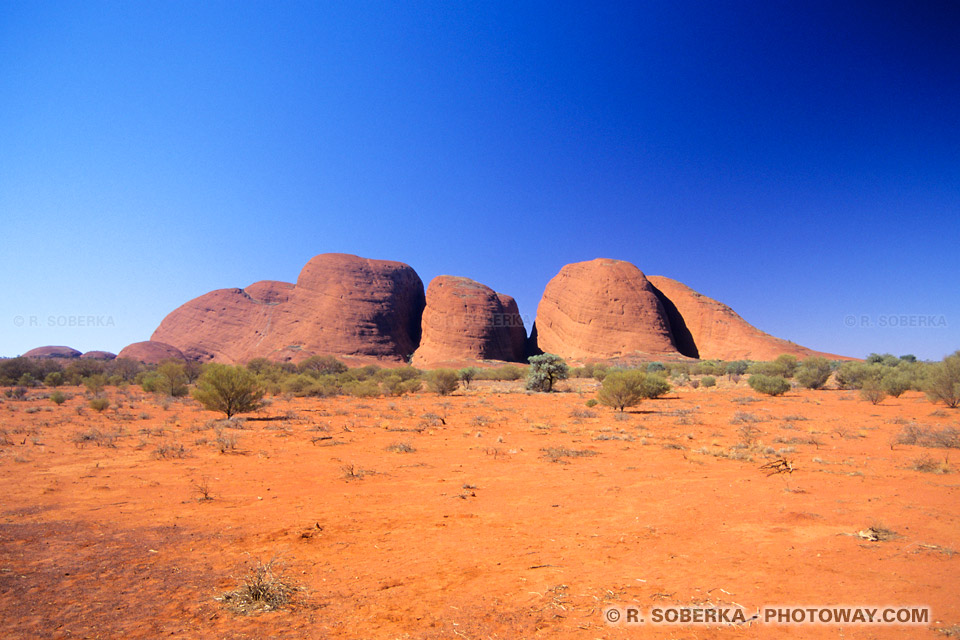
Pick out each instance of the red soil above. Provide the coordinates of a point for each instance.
(476, 533)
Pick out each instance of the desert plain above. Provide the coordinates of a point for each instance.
(489, 513)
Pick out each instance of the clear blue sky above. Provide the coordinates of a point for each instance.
(797, 161)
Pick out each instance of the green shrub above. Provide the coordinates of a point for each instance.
(362, 388)
(99, 404)
(230, 390)
(592, 402)
(58, 397)
(853, 375)
(95, 383)
(545, 370)
(896, 382)
(53, 379)
(443, 381)
(621, 389)
(737, 367)
(814, 372)
(395, 385)
(467, 375)
(321, 366)
(173, 378)
(654, 386)
(770, 385)
(785, 366)
(708, 367)
(708, 381)
(872, 392)
(943, 381)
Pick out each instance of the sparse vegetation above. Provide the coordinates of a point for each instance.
(943, 381)
(813, 372)
(556, 454)
(99, 404)
(546, 370)
(263, 588)
(872, 392)
(230, 390)
(443, 381)
(626, 388)
(770, 385)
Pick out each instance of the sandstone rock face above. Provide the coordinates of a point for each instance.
(150, 352)
(270, 291)
(602, 309)
(464, 321)
(52, 352)
(98, 355)
(341, 305)
(224, 325)
(707, 329)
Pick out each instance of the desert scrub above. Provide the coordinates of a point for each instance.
(556, 454)
(443, 381)
(621, 389)
(814, 372)
(99, 404)
(770, 385)
(230, 390)
(263, 588)
(546, 370)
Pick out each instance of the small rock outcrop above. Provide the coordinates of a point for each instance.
(52, 352)
(98, 355)
(150, 352)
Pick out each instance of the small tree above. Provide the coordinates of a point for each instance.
(443, 381)
(467, 375)
(545, 370)
(228, 389)
(814, 372)
(943, 382)
(770, 385)
(174, 378)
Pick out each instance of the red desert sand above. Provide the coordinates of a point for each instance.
(491, 513)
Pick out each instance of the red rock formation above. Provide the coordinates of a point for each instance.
(270, 291)
(465, 321)
(98, 355)
(52, 352)
(710, 330)
(226, 325)
(341, 305)
(150, 352)
(602, 309)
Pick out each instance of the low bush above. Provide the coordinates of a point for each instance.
(770, 385)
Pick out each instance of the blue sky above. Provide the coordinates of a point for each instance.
(797, 161)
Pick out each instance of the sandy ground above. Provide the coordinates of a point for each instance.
(477, 532)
